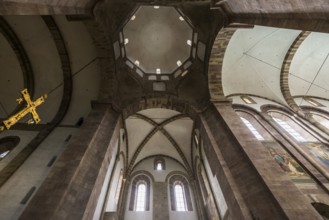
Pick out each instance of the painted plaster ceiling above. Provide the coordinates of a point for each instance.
(253, 61)
(159, 132)
(46, 67)
(309, 72)
(156, 38)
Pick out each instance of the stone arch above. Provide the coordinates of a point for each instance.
(160, 101)
(216, 63)
(284, 75)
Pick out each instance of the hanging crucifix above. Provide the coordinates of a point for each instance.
(29, 108)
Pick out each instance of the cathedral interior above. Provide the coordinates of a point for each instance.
(164, 109)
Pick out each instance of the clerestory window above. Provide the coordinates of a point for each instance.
(289, 129)
(252, 129)
(159, 163)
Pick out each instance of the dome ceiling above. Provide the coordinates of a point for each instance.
(157, 39)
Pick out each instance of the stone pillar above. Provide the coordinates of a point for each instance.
(160, 201)
(72, 188)
(253, 185)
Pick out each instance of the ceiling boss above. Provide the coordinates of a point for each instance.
(29, 108)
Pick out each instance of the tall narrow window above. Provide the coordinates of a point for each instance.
(289, 129)
(141, 197)
(180, 198)
(140, 194)
(252, 129)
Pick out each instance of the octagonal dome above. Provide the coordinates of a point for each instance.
(157, 39)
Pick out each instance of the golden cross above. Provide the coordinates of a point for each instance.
(30, 108)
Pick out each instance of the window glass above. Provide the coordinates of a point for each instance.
(252, 129)
(140, 198)
(180, 198)
(289, 129)
(159, 166)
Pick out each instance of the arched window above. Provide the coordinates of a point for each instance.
(180, 194)
(7, 144)
(159, 163)
(289, 129)
(252, 129)
(247, 99)
(140, 194)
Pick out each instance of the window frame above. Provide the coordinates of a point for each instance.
(142, 178)
(173, 181)
(159, 160)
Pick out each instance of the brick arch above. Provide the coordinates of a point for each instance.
(284, 75)
(216, 63)
(160, 101)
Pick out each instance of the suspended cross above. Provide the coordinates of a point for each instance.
(29, 108)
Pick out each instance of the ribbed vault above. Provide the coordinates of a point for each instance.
(168, 133)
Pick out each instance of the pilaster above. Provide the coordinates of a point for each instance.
(72, 187)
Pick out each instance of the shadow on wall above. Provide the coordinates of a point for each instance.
(322, 209)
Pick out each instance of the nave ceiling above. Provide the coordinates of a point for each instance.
(252, 66)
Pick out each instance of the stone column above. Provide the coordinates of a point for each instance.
(72, 187)
(253, 185)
